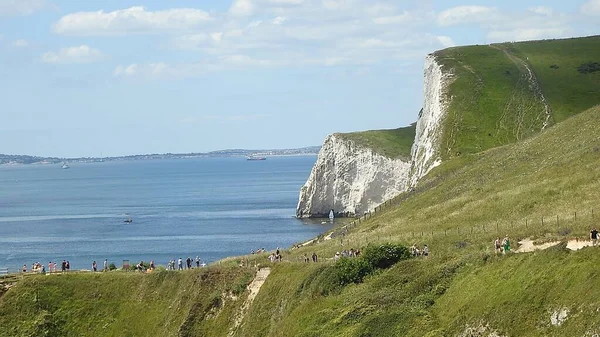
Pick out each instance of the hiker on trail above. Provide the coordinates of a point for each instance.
(336, 256)
(180, 264)
(497, 245)
(50, 267)
(425, 251)
(94, 266)
(197, 261)
(151, 264)
(314, 257)
(63, 266)
(414, 250)
(305, 258)
(594, 236)
(105, 265)
(506, 244)
(24, 267)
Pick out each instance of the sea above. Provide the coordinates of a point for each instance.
(207, 207)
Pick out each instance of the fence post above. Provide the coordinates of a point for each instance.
(557, 220)
(525, 223)
(542, 221)
(575, 215)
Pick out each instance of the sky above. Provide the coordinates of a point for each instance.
(107, 78)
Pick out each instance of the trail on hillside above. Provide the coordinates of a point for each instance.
(253, 288)
(533, 85)
(527, 245)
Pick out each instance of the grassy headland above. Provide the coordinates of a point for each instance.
(392, 143)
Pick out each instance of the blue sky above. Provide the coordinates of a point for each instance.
(91, 78)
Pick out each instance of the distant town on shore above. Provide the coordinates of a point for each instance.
(6, 159)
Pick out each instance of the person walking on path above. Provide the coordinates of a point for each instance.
(314, 257)
(594, 236)
(197, 261)
(94, 267)
(180, 264)
(498, 245)
(506, 244)
(105, 267)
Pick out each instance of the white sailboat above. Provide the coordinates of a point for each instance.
(331, 216)
(64, 166)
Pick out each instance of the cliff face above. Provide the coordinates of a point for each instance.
(427, 147)
(350, 179)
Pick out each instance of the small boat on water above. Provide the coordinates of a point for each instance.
(128, 220)
(64, 166)
(256, 158)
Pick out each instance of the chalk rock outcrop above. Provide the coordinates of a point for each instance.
(350, 179)
(427, 148)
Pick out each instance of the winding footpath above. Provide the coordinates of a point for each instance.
(254, 288)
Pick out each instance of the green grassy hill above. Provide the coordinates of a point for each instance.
(190, 303)
(393, 143)
(510, 178)
(499, 91)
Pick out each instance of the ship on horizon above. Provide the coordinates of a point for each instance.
(256, 158)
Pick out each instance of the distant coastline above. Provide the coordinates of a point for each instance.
(14, 160)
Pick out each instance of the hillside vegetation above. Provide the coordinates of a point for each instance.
(507, 92)
(511, 169)
(392, 143)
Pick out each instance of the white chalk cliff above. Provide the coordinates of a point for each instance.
(352, 179)
(427, 148)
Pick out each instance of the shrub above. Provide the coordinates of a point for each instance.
(355, 269)
(352, 270)
(588, 68)
(112, 266)
(385, 255)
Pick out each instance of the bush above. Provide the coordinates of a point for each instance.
(588, 68)
(112, 266)
(385, 255)
(355, 269)
(352, 270)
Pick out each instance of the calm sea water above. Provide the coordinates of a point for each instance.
(211, 207)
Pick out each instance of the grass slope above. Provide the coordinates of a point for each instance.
(393, 143)
(190, 303)
(492, 100)
(463, 284)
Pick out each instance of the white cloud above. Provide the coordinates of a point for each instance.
(542, 10)
(241, 8)
(591, 7)
(20, 7)
(20, 43)
(446, 41)
(405, 17)
(464, 14)
(133, 20)
(525, 34)
(129, 70)
(79, 54)
(286, 2)
(279, 20)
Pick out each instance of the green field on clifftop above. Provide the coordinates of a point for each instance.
(393, 143)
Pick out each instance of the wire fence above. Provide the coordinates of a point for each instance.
(574, 224)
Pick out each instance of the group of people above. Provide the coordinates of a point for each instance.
(95, 266)
(502, 247)
(276, 256)
(258, 251)
(188, 263)
(38, 267)
(314, 257)
(415, 251)
(346, 253)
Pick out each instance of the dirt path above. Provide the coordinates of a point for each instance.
(253, 288)
(527, 245)
(532, 80)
